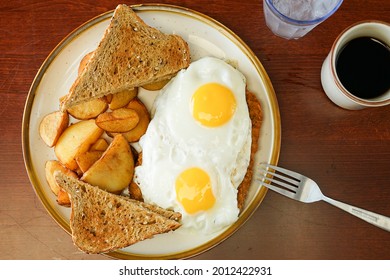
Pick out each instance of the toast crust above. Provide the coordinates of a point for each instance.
(256, 116)
(130, 54)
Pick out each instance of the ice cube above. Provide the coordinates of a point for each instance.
(304, 9)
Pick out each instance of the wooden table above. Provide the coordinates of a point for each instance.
(346, 152)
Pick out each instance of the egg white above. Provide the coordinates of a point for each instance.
(175, 141)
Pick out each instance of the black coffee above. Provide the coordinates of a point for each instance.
(363, 67)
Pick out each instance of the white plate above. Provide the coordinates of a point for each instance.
(206, 37)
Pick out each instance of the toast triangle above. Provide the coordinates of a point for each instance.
(130, 54)
(101, 221)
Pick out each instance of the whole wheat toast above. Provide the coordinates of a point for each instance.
(101, 221)
(256, 116)
(130, 54)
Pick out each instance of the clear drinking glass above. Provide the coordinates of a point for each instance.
(292, 19)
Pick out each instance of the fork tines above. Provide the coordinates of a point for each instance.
(278, 179)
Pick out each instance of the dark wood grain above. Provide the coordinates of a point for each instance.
(346, 152)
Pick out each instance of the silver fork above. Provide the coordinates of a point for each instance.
(302, 188)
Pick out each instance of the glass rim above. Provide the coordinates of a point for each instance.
(303, 22)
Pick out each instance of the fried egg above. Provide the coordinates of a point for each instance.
(196, 149)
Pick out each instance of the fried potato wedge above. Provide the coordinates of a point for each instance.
(135, 134)
(51, 166)
(84, 62)
(109, 98)
(76, 139)
(122, 98)
(135, 191)
(156, 85)
(52, 126)
(114, 171)
(87, 159)
(119, 120)
(63, 198)
(88, 110)
(100, 145)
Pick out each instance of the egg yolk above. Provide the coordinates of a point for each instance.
(193, 190)
(213, 104)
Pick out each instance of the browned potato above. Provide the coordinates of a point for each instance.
(51, 167)
(121, 99)
(156, 85)
(63, 198)
(88, 110)
(109, 98)
(135, 134)
(119, 120)
(135, 154)
(84, 62)
(135, 191)
(114, 171)
(87, 159)
(52, 126)
(139, 159)
(100, 145)
(76, 139)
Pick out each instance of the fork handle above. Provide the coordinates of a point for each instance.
(373, 218)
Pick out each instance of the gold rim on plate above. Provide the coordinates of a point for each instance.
(270, 104)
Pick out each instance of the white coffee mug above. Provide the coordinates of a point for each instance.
(329, 78)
